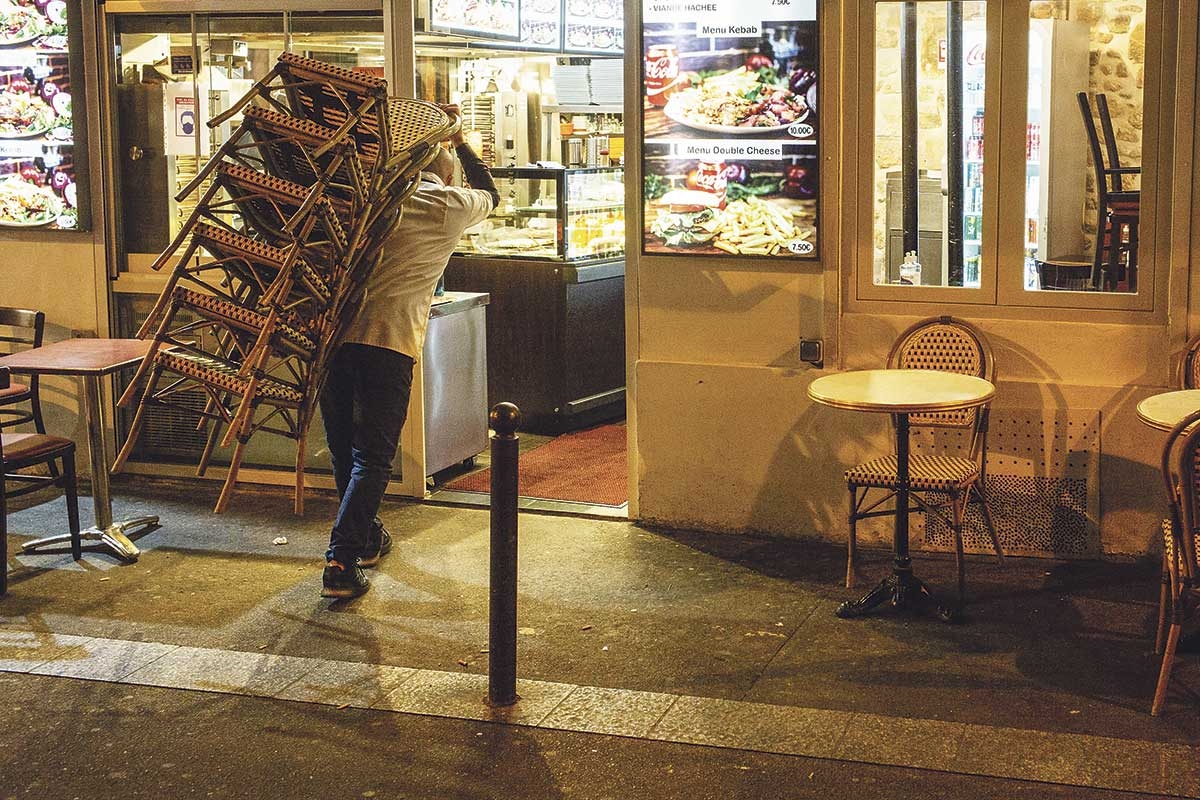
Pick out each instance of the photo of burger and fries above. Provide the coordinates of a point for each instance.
(757, 214)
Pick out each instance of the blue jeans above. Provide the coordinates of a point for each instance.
(364, 405)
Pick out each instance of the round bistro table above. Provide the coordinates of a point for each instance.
(900, 392)
(1164, 411)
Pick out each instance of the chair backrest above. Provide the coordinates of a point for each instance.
(1181, 478)
(947, 344)
(20, 328)
(1110, 141)
(1189, 366)
(1089, 125)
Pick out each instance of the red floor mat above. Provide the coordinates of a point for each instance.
(582, 467)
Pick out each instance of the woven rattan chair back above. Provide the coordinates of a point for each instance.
(332, 96)
(270, 207)
(303, 152)
(945, 344)
(1189, 366)
(1187, 467)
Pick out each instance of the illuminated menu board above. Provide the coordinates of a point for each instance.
(729, 127)
(541, 25)
(37, 165)
(494, 19)
(594, 26)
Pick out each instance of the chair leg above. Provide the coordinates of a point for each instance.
(850, 539)
(3, 539)
(235, 464)
(986, 509)
(298, 502)
(958, 506)
(39, 424)
(1164, 596)
(70, 487)
(209, 444)
(1164, 674)
(135, 427)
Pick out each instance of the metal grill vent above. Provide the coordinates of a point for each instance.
(1042, 483)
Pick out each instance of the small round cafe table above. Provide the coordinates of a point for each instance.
(1164, 411)
(900, 392)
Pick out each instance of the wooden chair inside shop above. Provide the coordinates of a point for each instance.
(21, 329)
(18, 453)
(941, 485)
(1181, 543)
(1118, 209)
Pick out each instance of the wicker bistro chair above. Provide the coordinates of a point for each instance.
(262, 364)
(941, 485)
(276, 211)
(1187, 377)
(19, 451)
(1181, 540)
(248, 273)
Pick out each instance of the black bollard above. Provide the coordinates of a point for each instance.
(502, 607)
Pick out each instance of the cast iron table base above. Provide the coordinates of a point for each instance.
(113, 538)
(904, 592)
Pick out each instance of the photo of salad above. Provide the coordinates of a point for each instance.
(25, 204)
(20, 24)
(23, 114)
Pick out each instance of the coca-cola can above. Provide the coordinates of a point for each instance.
(662, 72)
(710, 177)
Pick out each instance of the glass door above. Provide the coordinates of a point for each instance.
(170, 74)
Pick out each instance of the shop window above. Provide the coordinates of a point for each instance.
(1083, 146)
(1011, 151)
(929, 146)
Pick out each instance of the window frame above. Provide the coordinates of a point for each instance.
(1002, 267)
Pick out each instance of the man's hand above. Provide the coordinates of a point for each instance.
(455, 113)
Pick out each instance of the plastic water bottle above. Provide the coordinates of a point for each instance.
(910, 269)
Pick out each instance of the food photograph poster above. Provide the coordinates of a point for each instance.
(729, 127)
(37, 176)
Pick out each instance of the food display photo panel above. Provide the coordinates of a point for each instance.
(493, 19)
(37, 133)
(760, 207)
(729, 127)
(594, 26)
(541, 25)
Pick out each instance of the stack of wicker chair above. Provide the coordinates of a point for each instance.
(293, 212)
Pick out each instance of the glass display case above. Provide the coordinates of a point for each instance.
(553, 214)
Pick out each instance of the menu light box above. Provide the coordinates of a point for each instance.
(729, 127)
(37, 135)
(492, 19)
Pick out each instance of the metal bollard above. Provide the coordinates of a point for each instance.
(502, 606)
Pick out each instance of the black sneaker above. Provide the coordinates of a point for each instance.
(379, 545)
(338, 581)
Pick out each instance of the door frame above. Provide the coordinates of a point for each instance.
(398, 20)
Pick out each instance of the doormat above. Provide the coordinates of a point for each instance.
(583, 467)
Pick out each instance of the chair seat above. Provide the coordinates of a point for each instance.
(1169, 541)
(14, 393)
(225, 375)
(925, 473)
(22, 448)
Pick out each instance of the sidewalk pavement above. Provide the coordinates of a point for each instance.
(670, 639)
